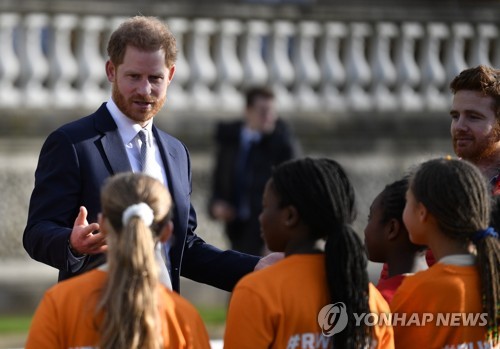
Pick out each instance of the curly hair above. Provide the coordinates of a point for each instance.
(145, 33)
(482, 79)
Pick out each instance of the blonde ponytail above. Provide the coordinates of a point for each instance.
(129, 298)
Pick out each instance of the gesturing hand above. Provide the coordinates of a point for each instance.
(83, 240)
(268, 260)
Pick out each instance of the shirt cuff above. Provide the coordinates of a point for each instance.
(75, 263)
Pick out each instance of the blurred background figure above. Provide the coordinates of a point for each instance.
(246, 151)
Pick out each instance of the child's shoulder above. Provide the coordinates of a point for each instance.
(284, 271)
(440, 277)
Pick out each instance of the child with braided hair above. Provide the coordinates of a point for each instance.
(122, 304)
(387, 240)
(308, 209)
(448, 209)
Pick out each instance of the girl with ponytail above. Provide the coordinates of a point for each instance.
(448, 209)
(310, 297)
(122, 304)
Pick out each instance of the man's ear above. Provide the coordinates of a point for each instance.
(166, 231)
(393, 229)
(171, 73)
(110, 71)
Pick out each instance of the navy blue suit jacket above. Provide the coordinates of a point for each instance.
(74, 162)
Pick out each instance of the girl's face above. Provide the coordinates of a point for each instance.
(273, 220)
(374, 232)
(411, 218)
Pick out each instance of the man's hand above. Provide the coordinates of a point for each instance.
(82, 239)
(223, 211)
(268, 260)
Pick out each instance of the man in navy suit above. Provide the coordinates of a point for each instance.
(246, 151)
(77, 158)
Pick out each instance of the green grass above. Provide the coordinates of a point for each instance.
(212, 315)
(14, 324)
(21, 323)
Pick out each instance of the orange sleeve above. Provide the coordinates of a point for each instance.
(44, 331)
(413, 300)
(191, 324)
(249, 323)
(402, 305)
(383, 334)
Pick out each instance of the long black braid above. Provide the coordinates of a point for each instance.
(324, 197)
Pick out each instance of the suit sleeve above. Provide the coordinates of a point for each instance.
(54, 202)
(207, 264)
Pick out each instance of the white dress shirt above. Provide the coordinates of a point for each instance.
(128, 130)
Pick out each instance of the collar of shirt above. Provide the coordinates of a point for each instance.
(248, 135)
(127, 128)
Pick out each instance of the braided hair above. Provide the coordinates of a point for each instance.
(324, 198)
(456, 194)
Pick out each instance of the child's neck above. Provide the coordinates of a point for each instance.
(305, 246)
(406, 262)
(442, 245)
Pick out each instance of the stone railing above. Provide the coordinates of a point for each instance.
(57, 61)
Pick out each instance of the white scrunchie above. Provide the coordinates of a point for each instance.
(141, 210)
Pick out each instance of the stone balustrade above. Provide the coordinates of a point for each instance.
(56, 61)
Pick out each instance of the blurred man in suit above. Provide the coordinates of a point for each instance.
(246, 151)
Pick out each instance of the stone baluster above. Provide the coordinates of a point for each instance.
(91, 61)
(229, 69)
(455, 49)
(9, 63)
(480, 52)
(383, 68)
(202, 67)
(178, 99)
(252, 57)
(332, 69)
(433, 71)
(357, 68)
(33, 56)
(308, 74)
(408, 71)
(63, 64)
(281, 71)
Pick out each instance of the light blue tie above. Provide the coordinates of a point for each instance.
(146, 167)
(145, 152)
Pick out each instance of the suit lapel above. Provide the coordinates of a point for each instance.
(172, 169)
(179, 187)
(115, 152)
(111, 142)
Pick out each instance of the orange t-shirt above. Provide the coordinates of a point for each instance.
(278, 307)
(445, 292)
(66, 317)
